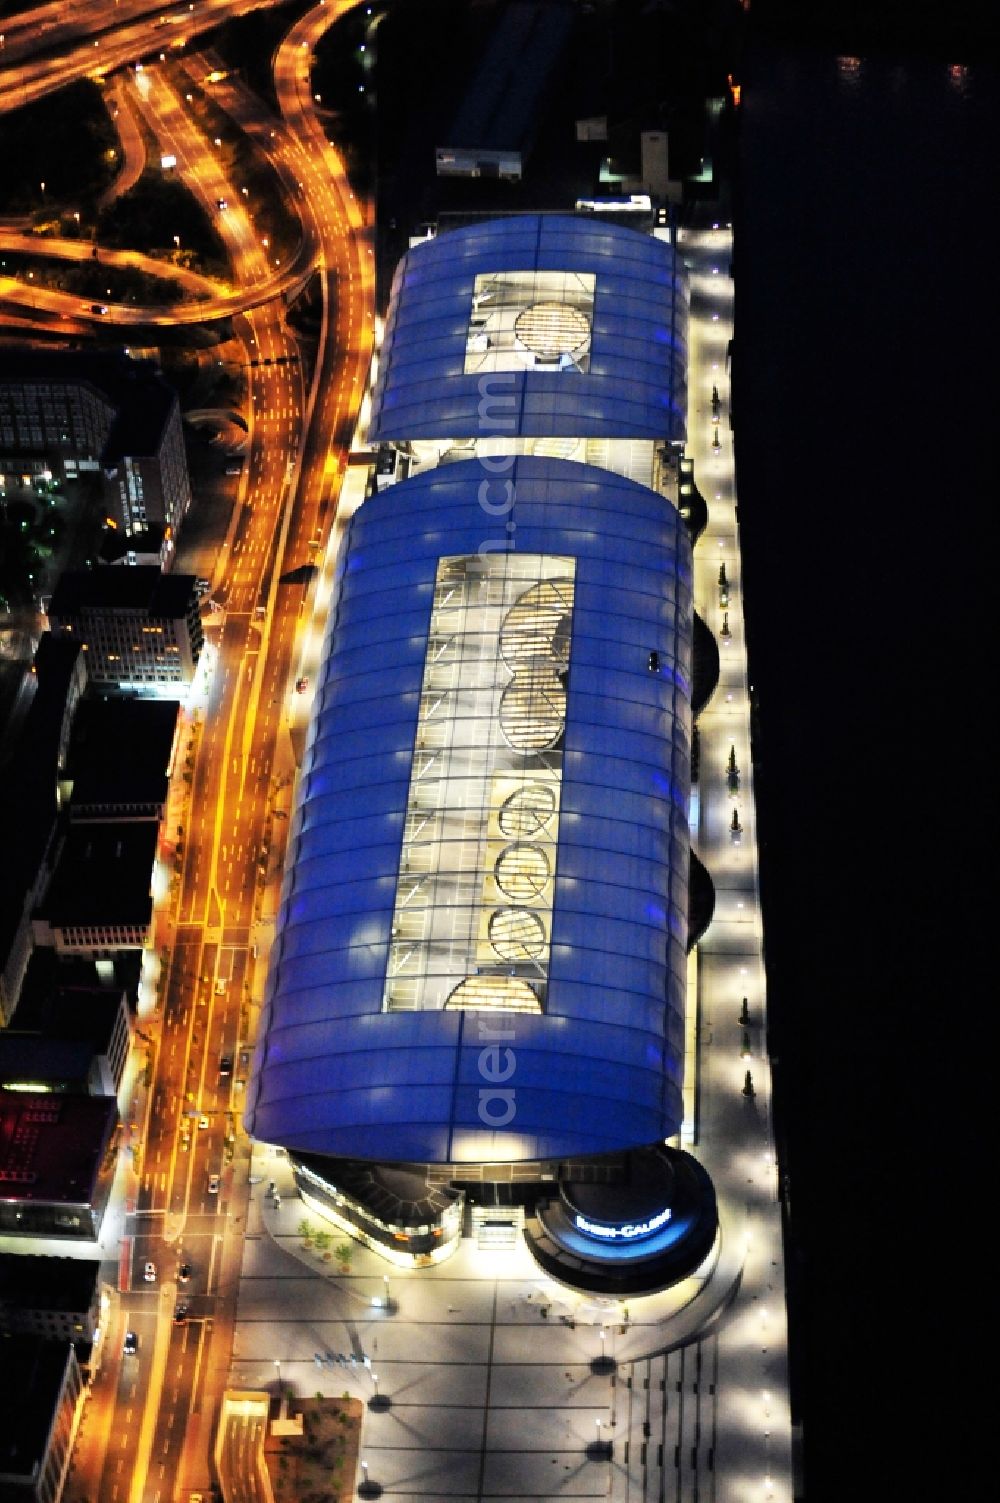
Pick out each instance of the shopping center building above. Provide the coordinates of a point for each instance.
(475, 1016)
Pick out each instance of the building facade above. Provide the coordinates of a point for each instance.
(41, 1398)
(141, 629)
(66, 413)
(55, 1168)
(28, 804)
(59, 1299)
(99, 899)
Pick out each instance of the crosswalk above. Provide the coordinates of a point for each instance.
(665, 1430)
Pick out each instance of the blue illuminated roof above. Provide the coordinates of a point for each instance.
(634, 383)
(600, 1067)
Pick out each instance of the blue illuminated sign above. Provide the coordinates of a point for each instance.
(627, 1233)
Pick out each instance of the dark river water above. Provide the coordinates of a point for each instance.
(866, 426)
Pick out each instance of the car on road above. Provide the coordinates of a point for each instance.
(220, 985)
(225, 1066)
(131, 1344)
(98, 308)
(184, 1273)
(213, 1184)
(181, 1315)
(202, 1123)
(222, 203)
(301, 684)
(149, 1273)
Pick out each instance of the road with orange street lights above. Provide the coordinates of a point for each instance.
(91, 41)
(152, 1425)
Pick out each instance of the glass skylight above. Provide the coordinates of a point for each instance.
(530, 320)
(471, 924)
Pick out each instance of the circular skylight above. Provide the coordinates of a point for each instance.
(516, 934)
(549, 330)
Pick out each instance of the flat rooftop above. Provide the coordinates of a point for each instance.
(28, 784)
(83, 1014)
(120, 750)
(103, 875)
(142, 399)
(51, 1147)
(28, 1057)
(142, 588)
(31, 1378)
(36, 1283)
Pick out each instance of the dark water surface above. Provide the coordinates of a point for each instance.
(867, 426)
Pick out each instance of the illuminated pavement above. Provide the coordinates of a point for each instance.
(92, 41)
(488, 1397)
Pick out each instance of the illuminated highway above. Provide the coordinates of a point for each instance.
(78, 53)
(153, 1420)
(133, 152)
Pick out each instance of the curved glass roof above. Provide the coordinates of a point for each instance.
(540, 325)
(568, 1038)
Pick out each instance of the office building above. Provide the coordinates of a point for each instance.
(120, 759)
(99, 897)
(59, 1299)
(56, 1170)
(65, 413)
(41, 1397)
(29, 802)
(77, 1010)
(141, 629)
